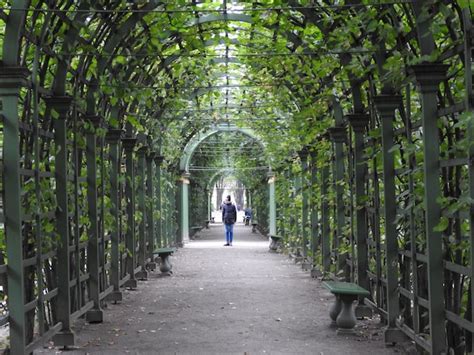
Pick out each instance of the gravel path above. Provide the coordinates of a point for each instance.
(225, 300)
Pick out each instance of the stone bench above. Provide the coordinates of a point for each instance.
(275, 243)
(342, 311)
(254, 227)
(194, 231)
(164, 254)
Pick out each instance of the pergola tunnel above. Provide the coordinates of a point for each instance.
(208, 158)
(345, 126)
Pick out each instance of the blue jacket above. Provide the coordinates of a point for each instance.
(229, 213)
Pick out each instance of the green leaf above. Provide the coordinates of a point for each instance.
(442, 225)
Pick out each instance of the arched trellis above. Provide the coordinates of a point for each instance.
(183, 182)
(427, 47)
(206, 133)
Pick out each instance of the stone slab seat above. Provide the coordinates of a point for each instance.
(254, 227)
(195, 230)
(342, 311)
(163, 254)
(275, 243)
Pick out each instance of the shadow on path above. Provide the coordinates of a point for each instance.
(225, 300)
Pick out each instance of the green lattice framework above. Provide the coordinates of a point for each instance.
(365, 111)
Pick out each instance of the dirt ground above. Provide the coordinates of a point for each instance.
(225, 300)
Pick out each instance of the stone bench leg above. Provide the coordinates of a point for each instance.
(165, 266)
(346, 320)
(273, 245)
(335, 309)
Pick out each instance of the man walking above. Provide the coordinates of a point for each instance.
(229, 216)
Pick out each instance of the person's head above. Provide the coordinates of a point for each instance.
(228, 198)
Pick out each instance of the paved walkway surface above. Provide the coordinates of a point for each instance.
(225, 300)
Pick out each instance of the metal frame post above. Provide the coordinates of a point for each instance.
(159, 221)
(62, 105)
(113, 138)
(95, 315)
(325, 230)
(386, 105)
(183, 209)
(11, 80)
(130, 243)
(428, 77)
(272, 203)
(314, 212)
(142, 242)
(303, 154)
(359, 122)
(150, 194)
(338, 135)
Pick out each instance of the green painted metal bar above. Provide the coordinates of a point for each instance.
(95, 315)
(468, 79)
(428, 77)
(141, 173)
(113, 138)
(128, 144)
(62, 106)
(11, 80)
(272, 218)
(38, 230)
(160, 230)
(209, 209)
(359, 124)
(303, 154)
(78, 289)
(167, 214)
(325, 227)
(314, 210)
(386, 106)
(182, 202)
(150, 219)
(338, 135)
(296, 212)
